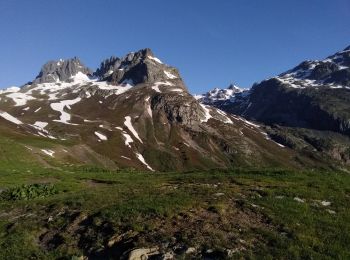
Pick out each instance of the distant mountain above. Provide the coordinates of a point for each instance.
(313, 96)
(221, 95)
(132, 112)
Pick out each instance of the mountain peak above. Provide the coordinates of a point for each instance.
(61, 70)
(234, 87)
(139, 67)
(332, 72)
(218, 94)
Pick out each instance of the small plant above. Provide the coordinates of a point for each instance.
(27, 192)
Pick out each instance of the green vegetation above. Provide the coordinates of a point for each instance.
(27, 192)
(272, 214)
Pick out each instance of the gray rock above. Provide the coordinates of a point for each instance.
(61, 70)
(138, 67)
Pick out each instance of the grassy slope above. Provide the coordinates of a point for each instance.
(253, 213)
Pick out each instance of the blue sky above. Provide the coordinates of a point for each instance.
(212, 43)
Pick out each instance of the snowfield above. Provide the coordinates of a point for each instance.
(20, 98)
(59, 107)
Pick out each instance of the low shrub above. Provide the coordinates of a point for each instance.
(27, 192)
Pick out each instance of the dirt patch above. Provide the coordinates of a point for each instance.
(98, 183)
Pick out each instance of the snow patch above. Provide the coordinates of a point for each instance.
(177, 90)
(10, 118)
(80, 77)
(156, 88)
(141, 159)
(48, 152)
(59, 107)
(128, 124)
(20, 98)
(10, 90)
(101, 136)
(227, 119)
(128, 139)
(40, 124)
(207, 114)
(155, 59)
(160, 83)
(169, 75)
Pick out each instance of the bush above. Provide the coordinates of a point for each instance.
(27, 192)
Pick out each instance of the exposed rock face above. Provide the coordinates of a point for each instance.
(138, 67)
(62, 70)
(188, 112)
(107, 67)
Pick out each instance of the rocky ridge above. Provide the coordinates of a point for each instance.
(313, 96)
(133, 112)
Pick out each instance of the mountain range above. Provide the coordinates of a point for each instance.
(136, 112)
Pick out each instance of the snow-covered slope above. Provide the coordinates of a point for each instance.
(332, 72)
(220, 95)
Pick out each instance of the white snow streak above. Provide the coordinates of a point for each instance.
(10, 118)
(48, 152)
(128, 124)
(101, 136)
(207, 113)
(40, 124)
(155, 59)
(140, 157)
(169, 75)
(128, 139)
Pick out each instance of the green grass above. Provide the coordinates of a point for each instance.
(208, 210)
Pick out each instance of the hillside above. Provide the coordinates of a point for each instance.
(132, 112)
(306, 108)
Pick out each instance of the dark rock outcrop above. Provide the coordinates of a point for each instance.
(314, 95)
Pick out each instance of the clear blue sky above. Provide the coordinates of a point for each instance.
(212, 42)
